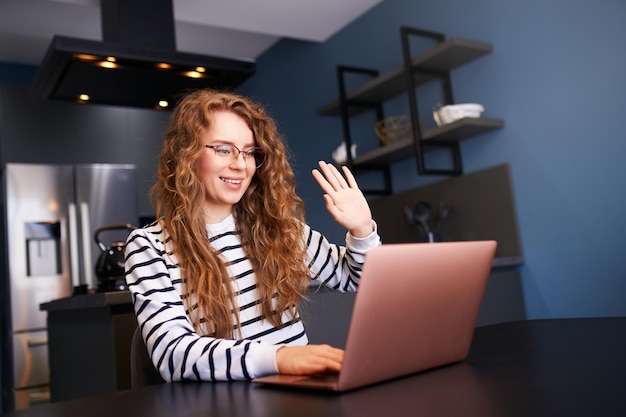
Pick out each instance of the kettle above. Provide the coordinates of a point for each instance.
(110, 264)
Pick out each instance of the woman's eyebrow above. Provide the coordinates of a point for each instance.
(230, 142)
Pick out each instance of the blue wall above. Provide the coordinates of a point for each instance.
(16, 74)
(557, 77)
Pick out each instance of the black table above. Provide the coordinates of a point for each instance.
(560, 367)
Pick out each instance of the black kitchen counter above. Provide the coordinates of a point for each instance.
(89, 340)
(94, 300)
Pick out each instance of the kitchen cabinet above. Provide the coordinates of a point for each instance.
(431, 65)
(89, 339)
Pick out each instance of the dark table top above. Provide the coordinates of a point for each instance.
(557, 367)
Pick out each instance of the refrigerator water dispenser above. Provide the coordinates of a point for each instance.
(43, 248)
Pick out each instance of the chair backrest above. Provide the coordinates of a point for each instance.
(142, 371)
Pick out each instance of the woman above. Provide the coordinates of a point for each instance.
(217, 280)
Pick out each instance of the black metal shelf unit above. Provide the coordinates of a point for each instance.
(434, 64)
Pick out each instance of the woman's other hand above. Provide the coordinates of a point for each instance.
(344, 200)
(308, 360)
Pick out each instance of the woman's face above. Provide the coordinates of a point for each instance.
(226, 176)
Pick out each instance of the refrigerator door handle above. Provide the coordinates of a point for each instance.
(86, 241)
(73, 230)
(43, 341)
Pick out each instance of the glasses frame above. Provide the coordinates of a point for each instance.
(258, 153)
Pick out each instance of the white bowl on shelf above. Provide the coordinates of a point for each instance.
(453, 112)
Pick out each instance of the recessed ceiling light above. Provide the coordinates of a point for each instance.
(193, 74)
(107, 64)
(86, 57)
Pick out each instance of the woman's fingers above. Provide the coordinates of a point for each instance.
(307, 360)
(332, 177)
(351, 180)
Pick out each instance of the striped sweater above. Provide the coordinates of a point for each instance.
(177, 351)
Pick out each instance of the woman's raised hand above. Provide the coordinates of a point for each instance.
(344, 200)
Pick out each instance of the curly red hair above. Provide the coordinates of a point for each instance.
(269, 217)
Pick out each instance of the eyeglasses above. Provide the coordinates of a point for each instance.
(231, 151)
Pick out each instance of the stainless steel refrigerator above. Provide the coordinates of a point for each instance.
(51, 214)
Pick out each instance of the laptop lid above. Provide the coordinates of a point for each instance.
(416, 309)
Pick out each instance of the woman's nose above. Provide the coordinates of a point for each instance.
(239, 161)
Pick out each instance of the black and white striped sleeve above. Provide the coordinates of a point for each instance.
(335, 266)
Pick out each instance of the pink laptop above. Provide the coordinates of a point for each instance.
(416, 309)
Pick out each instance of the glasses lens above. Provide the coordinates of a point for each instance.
(223, 150)
(253, 154)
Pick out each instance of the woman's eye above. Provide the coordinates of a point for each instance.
(224, 150)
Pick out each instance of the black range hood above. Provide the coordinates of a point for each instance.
(135, 65)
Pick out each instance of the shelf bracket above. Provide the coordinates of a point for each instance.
(344, 109)
(409, 70)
